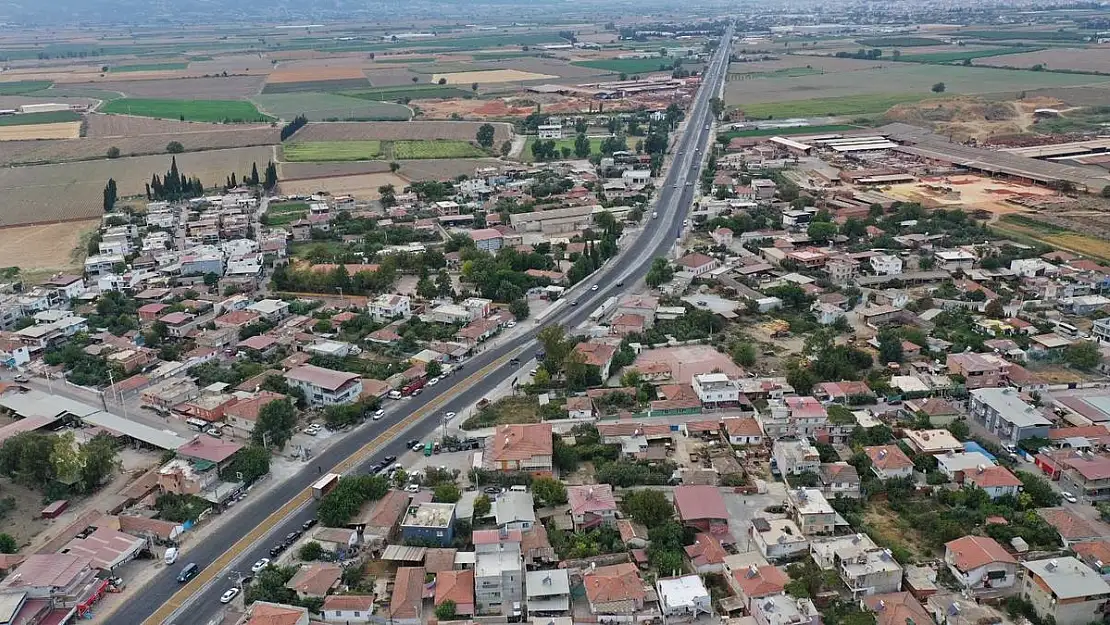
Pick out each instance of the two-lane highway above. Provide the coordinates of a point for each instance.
(270, 515)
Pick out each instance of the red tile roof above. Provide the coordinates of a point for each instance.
(972, 552)
(888, 457)
(991, 477)
(457, 586)
(706, 550)
(619, 582)
(1070, 525)
(695, 260)
(315, 579)
(596, 354)
(520, 442)
(743, 427)
(209, 448)
(695, 503)
(761, 581)
(360, 603)
(329, 379)
(592, 498)
(897, 608)
(408, 593)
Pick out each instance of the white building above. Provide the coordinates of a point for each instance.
(389, 306)
(794, 457)
(683, 598)
(1065, 589)
(951, 260)
(886, 265)
(325, 387)
(715, 388)
(550, 131)
(547, 592)
(270, 309)
(980, 563)
(777, 539)
(514, 511)
(498, 570)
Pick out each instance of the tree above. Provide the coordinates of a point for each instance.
(482, 506)
(7, 544)
(275, 422)
(1106, 191)
(555, 347)
(474, 87)
(271, 178)
(485, 135)
(938, 88)
(549, 491)
(98, 461)
(446, 492)
(310, 551)
(581, 145)
(446, 610)
(890, 347)
(425, 288)
(822, 232)
(174, 147)
(744, 354)
(113, 152)
(1083, 355)
(248, 465)
(660, 272)
(110, 195)
(960, 429)
(519, 308)
(648, 507)
(443, 81)
(1039, 489)
(994, 309)
(433, 369)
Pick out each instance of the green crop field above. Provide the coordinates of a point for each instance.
(22, 87)
(629, 66)
(899, 42)
(411, 59)
(795, 130)
(189, 110)
(498, 56)
(311, 151)
(1014, 35)
(786, 72)
(392, 94)
(278, 214)
(403, 150)
(147, 67)
(952, 57)
(28, 119)
(329, 106)
(846, 105)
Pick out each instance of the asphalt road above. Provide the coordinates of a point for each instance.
(659, 235)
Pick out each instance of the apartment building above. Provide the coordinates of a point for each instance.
(498, 570)
(1066, 590)
(325, 387)
(1004, 413)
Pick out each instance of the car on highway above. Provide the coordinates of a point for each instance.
(276, 550)
(574, 303)
(390, 459)
(309, 524)
(433, 381)
(593, 288)
(413, 443)
(1068, 497)
(261, 564)
(379, 414)
(189, 572)
(620, 282)
(229, 594)
(449, 415)
(674, 186)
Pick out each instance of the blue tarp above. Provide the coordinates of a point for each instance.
(973, 446)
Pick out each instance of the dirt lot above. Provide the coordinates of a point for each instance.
(130, 126)
(363, 186)
(495, 75)
(63, 130)
(187, 88)
(301, 171)
(439, 169)
(311, 71)
(1082, 59)
(393, 131)
(970, 117)
(47, 247)
(973, 192)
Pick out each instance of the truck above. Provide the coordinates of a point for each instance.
(413, 386)
(395, 395)
(324, 485)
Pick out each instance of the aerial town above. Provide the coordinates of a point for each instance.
(709, 320)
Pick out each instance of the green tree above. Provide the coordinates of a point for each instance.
(960, 429)
(113, 152)
(269, 585)
(446, 610)
(519, 308)
(659, 273)
(482, 506)
(485, 135)
(249, 464)
(1039, 489)
(822, 232)
(425, 288)
(938, 87)
(311, 551)
(433, 369)
(1083, 355)
(549, 492)
(555, 347)
(744, 354)
(890, 347)
(446, 492)
(275, 423)
(582, 145)
(647, 507)
(175, 147)
(99, 461)
(111, 195)
(7, 544)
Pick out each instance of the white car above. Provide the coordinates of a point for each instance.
(412, 488)
(593, 288)
(418, 447)
(379, 414)
(511, 324)
(448, 415)
(313, 429)
(1070, 498)
(228, 595)
(261, 564)
(433, 381)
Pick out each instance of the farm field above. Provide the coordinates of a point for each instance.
(364, 186)
(300, 171)
(1022, 35)
(393, 131)
(309, 151)
(281, 213)
(629, 66)
(147, 67)
(187, 110)
(98, 125)
(23, 86)
(413, 92)
(346, 84)
(906, 80)
(200, 88)
(324, 106)
(960, 55)
(413, 150)
(404, 59)
(819, 107)
(492, 75)
(898, 42)
(74, 191)
(32, 119)
(63, 130)
(86, 148)
(1021, 226)
(1077, 59)
(786, 72)
(46, 247)
(795, 130)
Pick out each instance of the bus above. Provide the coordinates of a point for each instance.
(428, 448)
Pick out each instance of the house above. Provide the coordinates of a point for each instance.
(615, 590)
(315, 580)
(956, 465)
(889, 461)
(389, 306)
(526, 447)
(1088, 477)
(743, 431)
(498, 570)
(777, 539)
(514, 510)
(940, 411)
(547, 592)
(266, 613)
(707, 554)
(978, 370)
(785, 610)
(598, 355)
(897, 608)
(886, 264)
(429, 523)
(996, 481)
(933, 442)
(838, 479)
(795, 457)
(1065, 589)
(487, 239)
(871, 573)
(347, 608)
(980, 563)
(380, 519)
(1003, 413)
(550, 131)
(952, 260)
(592, 506)
(1070, 526)
(715, 389)
(272, 310)
(325, 387)
(698, 264)
(341, 541)
(811, 511)
(1095, 554)
(457, 587)
(406, 603)
(683, 598)
(701, 507)
(722, 236)
(580, 407)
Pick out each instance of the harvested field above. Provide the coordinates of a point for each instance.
(40, 152)
(130, 126)
(323, 106)
(539, 65)
(363, 186)
(396, 131)
(316, 85)
(312, 151)
(396, 77)
(629, 66)
(435, 149)
(475, 109)
(299, 171)
(432, 169)
(73, 191)
(960, 55)
(1077, 59)
(1026, 227)
(32, 119)
(324, 72)
(496, 75)
(186, 88)
(232, 64)
(46, 247)
(64, 130)
(187, 110)
(414, 92)
(391, 60)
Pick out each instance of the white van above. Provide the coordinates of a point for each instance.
(171, 555)
(196, 424)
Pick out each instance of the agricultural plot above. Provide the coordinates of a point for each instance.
(958, 55)
(398, 131)
(1022, 35)
(316, 85)
(1073, 59)
(404, 59)
(412, 150)
(310, 78)
(22, 87)
(898, 42)
(279, 214)
(32, 119)
(301, 171)
(74, 191)
(226, 111)
(43, 247)
(199, 88)
(35, 132)
(89, 148)
(493, 75)
(309, 151)
(327, 106)
(128, 126)
(794, 130)
(147, 67)
(361, 186)
(414, 92)
(1022, 227)
(629, 66)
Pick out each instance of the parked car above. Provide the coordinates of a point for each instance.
(309, 524)
(261, 564)
(379, 414)
(412, 488)
(1068, 497)
(313, 429)
(229, 594)
(413, 444)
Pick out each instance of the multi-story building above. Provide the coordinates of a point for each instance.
(498, 570)
(838, 479)
(325, 387)
(980, 563)
(785, 610)
(978, 370)
(513, 510)
(683, 599)
(889, 461)
(715, 388)
(1065, 589)
(389, 306)
(811, 511)
(794, 416)
(778, 539)
(547, 592)
(886, 264)
(429, 523)
(1003, 413)
(794, 457)
(842, 270)
(592, 506)
(871, 573)
(1088, 476)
